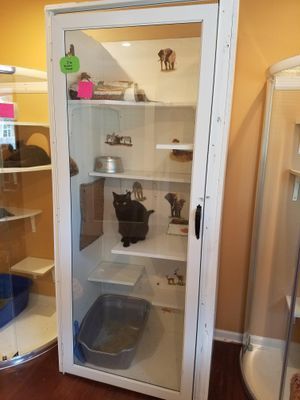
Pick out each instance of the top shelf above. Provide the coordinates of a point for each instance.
(18, 123)
(26, 169)
(121, 103)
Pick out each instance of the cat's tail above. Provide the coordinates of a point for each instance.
(148, 213)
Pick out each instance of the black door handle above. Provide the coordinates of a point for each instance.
(198, 221)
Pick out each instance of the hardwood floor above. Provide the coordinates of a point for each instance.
(39, 379)
(225, 376)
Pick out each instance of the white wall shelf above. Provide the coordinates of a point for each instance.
(21, 213)
(23, 87)
(33, 266)
(295, 172)
(117, 273)
(156, 245)
(175, 146)
(123, 103)
(296, 184)
(297, 306)
(18, 123)
(25, 169)
(146, 176)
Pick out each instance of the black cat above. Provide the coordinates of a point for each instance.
(26, 156)
(133, 218)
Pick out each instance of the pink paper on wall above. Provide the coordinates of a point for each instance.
(85, 89)
(7, 110)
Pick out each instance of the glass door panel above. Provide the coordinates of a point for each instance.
(131, 117)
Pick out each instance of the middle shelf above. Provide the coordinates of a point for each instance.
(117, 273)
(19, 213)
(33, 266)
(146, 176)
(156, 245)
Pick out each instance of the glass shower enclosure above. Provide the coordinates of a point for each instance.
(27, 290)
(270, 358)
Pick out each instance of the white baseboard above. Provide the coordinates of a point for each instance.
(228, 336)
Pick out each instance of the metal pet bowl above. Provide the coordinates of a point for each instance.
(108, 164)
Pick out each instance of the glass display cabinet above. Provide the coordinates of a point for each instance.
(139, 147)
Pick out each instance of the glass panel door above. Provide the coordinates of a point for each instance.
(132, 111)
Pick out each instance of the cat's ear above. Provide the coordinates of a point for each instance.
(114, 194)
(128, 194)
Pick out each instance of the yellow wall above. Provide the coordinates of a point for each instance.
(269, 30)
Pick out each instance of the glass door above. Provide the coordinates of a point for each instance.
(132, 139)
(137, 116)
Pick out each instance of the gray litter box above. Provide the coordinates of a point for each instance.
(111, 329)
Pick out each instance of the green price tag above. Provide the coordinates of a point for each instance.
(69, 64)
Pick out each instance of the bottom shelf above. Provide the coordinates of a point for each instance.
(34, 328)
(159, 352)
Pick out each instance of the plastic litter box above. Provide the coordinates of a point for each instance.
(14, 295)
(111, 329)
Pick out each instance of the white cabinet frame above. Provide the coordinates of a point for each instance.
(212, 127)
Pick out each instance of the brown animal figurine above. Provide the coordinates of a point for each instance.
(181, 155)
(167, 58)
(171, 280)
(175, 203)
(180, 278)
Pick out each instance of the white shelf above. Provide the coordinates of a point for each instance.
(19, 213)
(296, 184)
(146, 176)
(25, 169)
(33, 266)
(156, 245)
(36, 327)
(175, 146)
(297, 306)
(117, 273)
(130, 103)
(295, 172)
(17, 123)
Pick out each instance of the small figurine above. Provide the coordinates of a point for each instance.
(167, 58)
(138, 191)
(180, 278)
(171, 280)
(114, 140)
(181, 155)
(175, 203)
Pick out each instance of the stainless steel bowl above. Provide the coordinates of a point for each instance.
(108, 164)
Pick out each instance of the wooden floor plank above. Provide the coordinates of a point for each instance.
(225, 377)
(40, 379)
